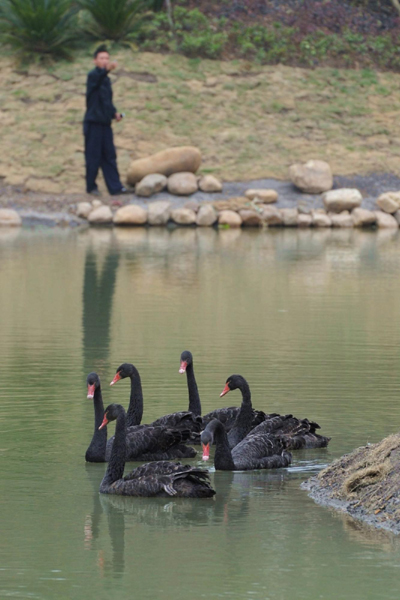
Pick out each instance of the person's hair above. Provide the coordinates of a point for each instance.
(102, 48)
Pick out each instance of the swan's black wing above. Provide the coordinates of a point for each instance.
(164, 479)
(301, 433)
(227, 416)
(145, 442)
(254, 450)
(180, 420)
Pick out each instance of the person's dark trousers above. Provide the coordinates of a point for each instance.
(100, 152)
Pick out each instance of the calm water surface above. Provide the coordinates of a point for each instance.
(311, 319)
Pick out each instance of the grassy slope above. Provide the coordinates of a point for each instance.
(249, 121)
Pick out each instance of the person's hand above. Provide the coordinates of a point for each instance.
(118, 117)
(111, 66)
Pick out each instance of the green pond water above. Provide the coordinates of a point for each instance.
(310, 318)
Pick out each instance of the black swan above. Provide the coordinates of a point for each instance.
(301, 432)
(154, 479)
(183, 420)
(261, 451)
(226, 415)
(143, 442)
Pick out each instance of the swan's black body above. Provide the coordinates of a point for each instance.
(262, 451)
(184, 420)
(155, 479)
(143, 442)
(300, 433)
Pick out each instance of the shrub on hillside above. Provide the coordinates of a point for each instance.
(43, 27)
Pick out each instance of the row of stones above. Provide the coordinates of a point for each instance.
(205, 215)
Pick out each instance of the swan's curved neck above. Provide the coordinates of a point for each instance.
(135, 410)
(223, 460)
(243, 422)
(97, 449)
(116, 465)
(194, 396)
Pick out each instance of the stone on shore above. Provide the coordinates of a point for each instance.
(389, 202)
(193, 205)
(97, 203)
(101, 216)
(83, 209)
(182, 184)
(166, 162)
(304, 220)
(251, 218)
(272, 216)
(313, 177)
(264, 196)
(183, 216)
(342, 199)
(363, 217)
(343, 219)
(151, 184)
(209, 183)
(289, 216)
(384, 220)
(236, 203)
(320, 218)
(159, 212)
(131, 214)
(229, 217)
(9, 218)
(207, 216)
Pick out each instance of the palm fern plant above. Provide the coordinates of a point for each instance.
(115, 19)
(44, 27)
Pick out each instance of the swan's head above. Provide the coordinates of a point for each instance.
(207, 438)
(233, 383)
(123, 371)
(93, 382)
(186, 360)
(110, 414)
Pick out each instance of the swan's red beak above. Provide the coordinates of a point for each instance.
(104, 423)
(116, 378)
(183, 366)
(90, 391)
(206, 451)
(225, 390)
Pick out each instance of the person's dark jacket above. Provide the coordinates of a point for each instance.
(99, 105)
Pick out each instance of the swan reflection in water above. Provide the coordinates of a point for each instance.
(231, 505)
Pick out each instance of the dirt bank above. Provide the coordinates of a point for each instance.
(365, 484)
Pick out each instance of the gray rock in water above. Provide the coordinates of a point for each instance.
(251, 218)
(343, 219)
(385, 221)
(363, 217)
(321, 219)
(83, 209)
(206, 216)
(230, 217)
(289, 216)
(272, 216)
(101, 216)
(131, 214)
(183, 216)
(389, 202)
(342, 199)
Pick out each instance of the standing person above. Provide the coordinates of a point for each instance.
(100, 110)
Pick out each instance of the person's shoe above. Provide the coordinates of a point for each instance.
(123, 190)
(95, 192)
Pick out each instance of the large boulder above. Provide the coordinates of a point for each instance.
(389, 202)
(206, 216)
(384, 220)
(229, 217)
(313, 177)
(101, 215)
(251, 218)
(159, 212)
(363, 217)
(183, 216)
(260, 195)
(209, 183)
(9, 218)
(342, 199)
(131, 214)
(166, 162)
(151, 184)
(182, 184)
